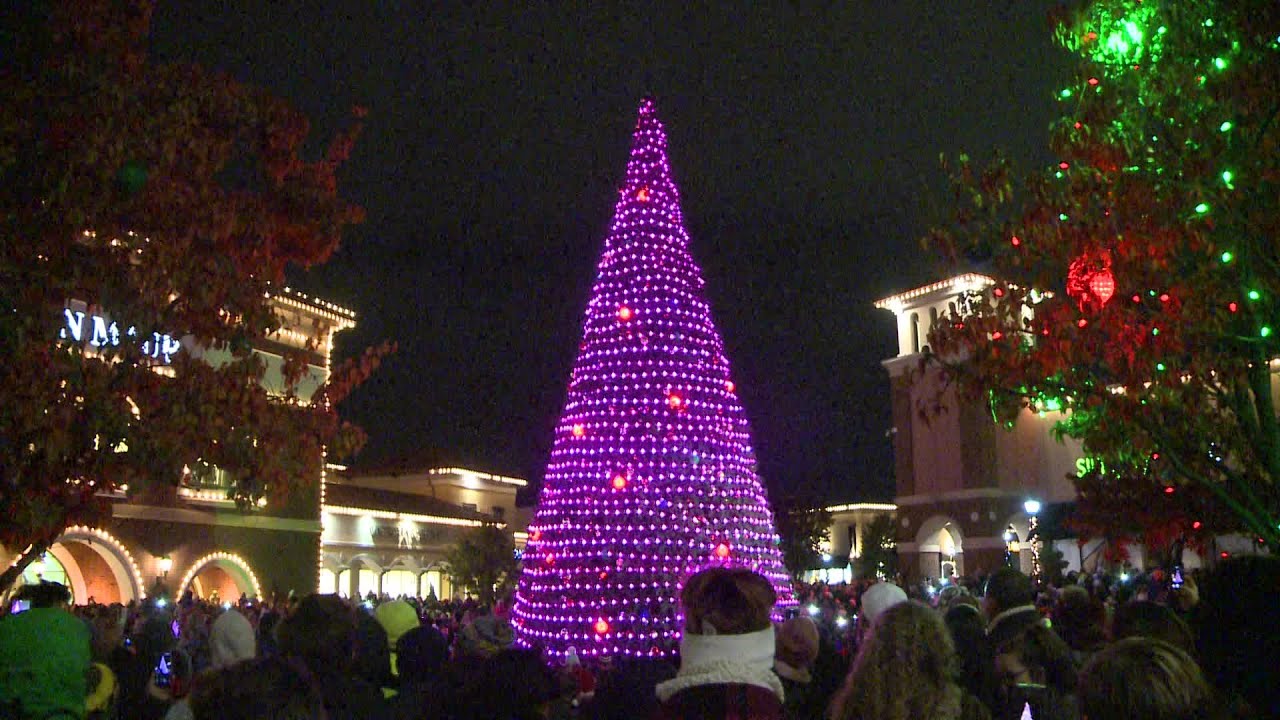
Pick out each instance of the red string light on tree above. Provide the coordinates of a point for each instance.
(579, 430)
(624, 313)
(619, 481)
(601, 626)
(722, 550)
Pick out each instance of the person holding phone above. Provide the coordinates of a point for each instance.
(157, 673)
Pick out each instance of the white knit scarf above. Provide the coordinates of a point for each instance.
(724, 659)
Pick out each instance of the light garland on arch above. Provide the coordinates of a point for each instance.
(108, 539)
(652, 472)
(212, 557)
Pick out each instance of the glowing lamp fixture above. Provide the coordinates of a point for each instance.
(165, 564)
(1032, 507)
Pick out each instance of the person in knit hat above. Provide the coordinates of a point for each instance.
(874, 601)
(726, 652)
(796, 650)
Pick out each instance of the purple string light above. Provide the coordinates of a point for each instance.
(652, 474)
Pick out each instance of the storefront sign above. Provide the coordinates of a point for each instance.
(102, 331)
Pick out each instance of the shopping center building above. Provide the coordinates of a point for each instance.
(190, 536)
(381, 531)
(387, 531)
(968, 491)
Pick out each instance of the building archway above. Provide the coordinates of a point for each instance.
(93, 564)
(401, 578)
(366, 572)
(940, 544)
(225, 574)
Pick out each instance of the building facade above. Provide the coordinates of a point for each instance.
(969, 491)
(847, 537)
(388, 532)
(190, 537)
(963, 483)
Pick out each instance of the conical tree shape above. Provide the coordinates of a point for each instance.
(652, 475)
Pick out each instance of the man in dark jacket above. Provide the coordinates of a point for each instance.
(321, 634)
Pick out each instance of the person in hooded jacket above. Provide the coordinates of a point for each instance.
(231, 639)
(46, 657)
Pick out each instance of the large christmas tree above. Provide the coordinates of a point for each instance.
(652, 475)
(1138, 286)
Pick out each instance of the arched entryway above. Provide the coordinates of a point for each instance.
(223, 575)
(401, 578)
(93, 564)
(941, 547)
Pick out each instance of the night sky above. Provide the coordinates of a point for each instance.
(805, 144)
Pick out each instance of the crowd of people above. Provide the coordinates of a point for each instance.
(1000, 647)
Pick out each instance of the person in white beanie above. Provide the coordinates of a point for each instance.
(231, 639)
(874, 601)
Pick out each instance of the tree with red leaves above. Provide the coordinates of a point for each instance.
(174, 199)
(1137, 288)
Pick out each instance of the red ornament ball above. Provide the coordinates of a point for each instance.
(619, 481)
(1103, 285)
(624, 313)
(601, 626)
(722, 550)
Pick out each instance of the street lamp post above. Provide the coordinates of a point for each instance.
(1010, 544)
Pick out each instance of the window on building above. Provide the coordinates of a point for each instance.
(499, 512)
(210, 477)
(470, 506)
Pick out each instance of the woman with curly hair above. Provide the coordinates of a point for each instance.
(904, 670)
